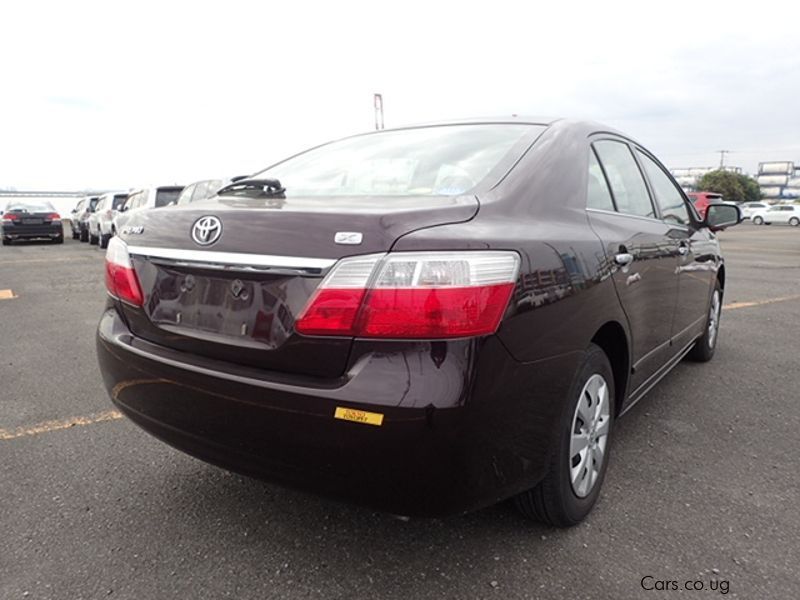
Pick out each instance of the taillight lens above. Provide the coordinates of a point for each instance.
(419, 295)
(53, 217)
(121, 280)
(10, 217)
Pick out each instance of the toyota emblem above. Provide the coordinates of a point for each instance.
(206, 230)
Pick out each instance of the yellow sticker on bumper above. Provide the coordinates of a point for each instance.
(358, 416)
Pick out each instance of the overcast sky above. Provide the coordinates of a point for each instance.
(96, 96)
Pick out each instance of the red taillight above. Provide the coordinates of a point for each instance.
(331, 312)
(121, 280)
(9, 217)
(53, 217)
(430, 295)
(434, 313)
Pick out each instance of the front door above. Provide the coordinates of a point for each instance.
(697, 256)
(643, 254)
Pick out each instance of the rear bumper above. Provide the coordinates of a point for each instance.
(30, 232)
(482, 435)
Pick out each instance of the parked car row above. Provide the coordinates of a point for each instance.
(760, 213)
(96, 219)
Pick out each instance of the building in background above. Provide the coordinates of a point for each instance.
(779, 181)
(688, 177)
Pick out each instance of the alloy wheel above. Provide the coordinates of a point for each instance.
(589, 435)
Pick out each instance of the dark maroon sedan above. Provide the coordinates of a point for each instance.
(424, 320)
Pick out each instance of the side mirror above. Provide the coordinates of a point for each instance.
(720, 216)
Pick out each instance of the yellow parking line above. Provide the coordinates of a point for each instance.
(735, 305)
(48, 426)
(7, 294)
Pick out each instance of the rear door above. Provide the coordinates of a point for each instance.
(697, 254)
(641, 250)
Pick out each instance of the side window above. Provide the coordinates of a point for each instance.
(625, 179)
(669, 198)
(597, 194)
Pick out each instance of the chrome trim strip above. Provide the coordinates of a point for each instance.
(235, 260)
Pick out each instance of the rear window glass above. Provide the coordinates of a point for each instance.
(165, 196)
(425, 161)
(30, 207)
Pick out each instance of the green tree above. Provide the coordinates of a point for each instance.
(734, 187)
(752, 193)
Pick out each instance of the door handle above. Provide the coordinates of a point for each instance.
(623, 259)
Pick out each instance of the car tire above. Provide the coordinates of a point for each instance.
(566, 496)
(794, 221)
(705, 346)
(84, 235)
(758, 220)
(93, 240)
(76, 235)
(6, 242)
(104, 240)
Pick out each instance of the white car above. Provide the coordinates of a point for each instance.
(146, 198)
(782, 213)
(751, 208)
(100, 221)
(201, 190)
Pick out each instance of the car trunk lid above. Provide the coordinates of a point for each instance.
(236, 298)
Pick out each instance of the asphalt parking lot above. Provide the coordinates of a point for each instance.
(703, 484)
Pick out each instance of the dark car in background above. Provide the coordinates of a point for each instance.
(425, 320)
(31, 221)
(74, 221)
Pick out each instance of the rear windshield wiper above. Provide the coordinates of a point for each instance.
(255, 188)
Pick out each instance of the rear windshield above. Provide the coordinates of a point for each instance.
(427, 161)
(166, 196)
(119, 200)
(30, 207)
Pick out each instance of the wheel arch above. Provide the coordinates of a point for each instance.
(612, 339)
(721, 277)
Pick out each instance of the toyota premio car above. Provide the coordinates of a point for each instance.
(425, 320)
